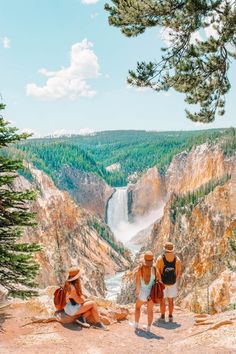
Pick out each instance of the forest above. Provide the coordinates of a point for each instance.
(135, 151)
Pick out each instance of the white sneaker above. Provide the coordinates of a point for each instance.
(134, 324)
(82, 324)
(147, 328)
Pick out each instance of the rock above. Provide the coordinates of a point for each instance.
(87, 189)
(148, 194)
(68, 237)
(3, 295)
(200, 231)
(120, 314)
(105, 320)
(221, 323)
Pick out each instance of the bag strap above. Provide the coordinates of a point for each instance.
(167, 263)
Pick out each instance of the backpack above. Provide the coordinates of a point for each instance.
(60, 298)
(168, 276)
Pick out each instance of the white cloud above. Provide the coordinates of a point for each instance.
(6, 42)
(69, 82)
(89, 2)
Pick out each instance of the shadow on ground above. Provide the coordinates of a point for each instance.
(167, 325)
(147, 335)
(72, 326)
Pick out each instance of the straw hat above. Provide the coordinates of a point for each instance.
(74, 273)
(148, 258)
(169, 247)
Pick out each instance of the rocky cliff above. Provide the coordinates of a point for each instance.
(201, 223)
(199, 218)
(189, 170)
(186, 172)
(148, 194)
(69, 236)
(87, 189)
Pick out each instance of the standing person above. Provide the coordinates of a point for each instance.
(76, 304)
(169, 266)
(145, 278)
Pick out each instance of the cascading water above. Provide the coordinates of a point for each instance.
(118, 221)
(117, 211)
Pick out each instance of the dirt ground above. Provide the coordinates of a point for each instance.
(181, 336)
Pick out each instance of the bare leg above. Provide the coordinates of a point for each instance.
(171, 306)
(163, 307)
(89, 306)
(150, 312)
(138, 305)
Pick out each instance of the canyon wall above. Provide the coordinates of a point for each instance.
(87, 189)
(201, 231)
(200, 224)
(149, 193)
(69, 236)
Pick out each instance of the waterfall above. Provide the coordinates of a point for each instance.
(117, 211)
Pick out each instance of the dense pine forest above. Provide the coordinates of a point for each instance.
(133, 151)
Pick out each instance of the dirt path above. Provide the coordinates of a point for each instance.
(54, 338)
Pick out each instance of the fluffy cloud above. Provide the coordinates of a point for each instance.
(69, 82)
(6, 42)
(89, 2)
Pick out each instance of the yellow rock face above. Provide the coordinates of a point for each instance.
(201, 236)
(67, 240)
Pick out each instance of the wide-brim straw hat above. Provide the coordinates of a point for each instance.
(169, 247)
(148, 258)
(74, 273)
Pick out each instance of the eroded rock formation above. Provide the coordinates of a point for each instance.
(69, 236)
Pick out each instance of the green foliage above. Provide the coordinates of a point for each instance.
(105, 233)
(229, 143)
(197, 68)
(17, 266)
(135, 151)
(184, 204)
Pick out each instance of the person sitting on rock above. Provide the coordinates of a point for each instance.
(145, 278)
(76, 304)
(169, 266)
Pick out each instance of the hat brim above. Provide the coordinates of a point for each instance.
(169, 251)
(75, 277)
(148, 261)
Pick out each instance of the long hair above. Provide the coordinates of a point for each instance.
(77, 285)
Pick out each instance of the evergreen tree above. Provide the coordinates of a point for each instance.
(198, 68)
(17, 266)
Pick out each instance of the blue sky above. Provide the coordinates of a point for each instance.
(63, 68)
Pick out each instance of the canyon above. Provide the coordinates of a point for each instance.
(101, 229)
(69, 235)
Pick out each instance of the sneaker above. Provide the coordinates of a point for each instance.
(147, 328)
(134, 324)
(170, 318)
(82, 323)
(100, 325)
(162, 319)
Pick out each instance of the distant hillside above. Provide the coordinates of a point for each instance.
(135, 151)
